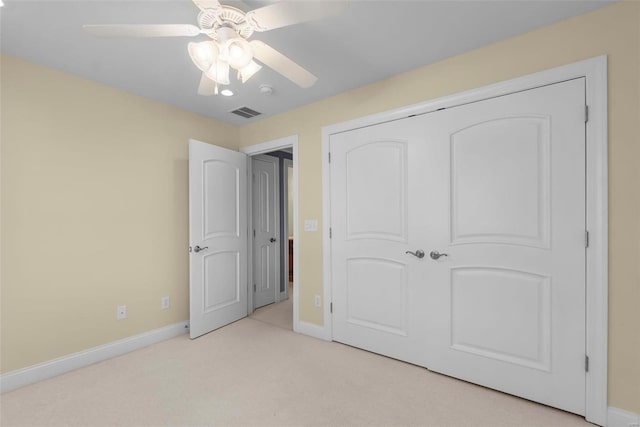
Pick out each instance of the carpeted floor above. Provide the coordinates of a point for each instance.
(254, 373)
(280, 315)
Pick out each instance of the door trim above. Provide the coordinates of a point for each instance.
(266, 147)
(284, 202)
(595, 72)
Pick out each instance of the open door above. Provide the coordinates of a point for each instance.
(266, 224)
(217, 236)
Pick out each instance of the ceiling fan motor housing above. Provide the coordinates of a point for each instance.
(210, 20)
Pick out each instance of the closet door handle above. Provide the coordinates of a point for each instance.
(418, 254)
(436, 255)
(199, 249)
(272, 240)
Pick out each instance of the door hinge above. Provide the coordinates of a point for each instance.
(329, 157)
(254, 287)
(586, 238)
(254, 232)
(586, 363)
(330, 307)
(330, 232)
(586, 113)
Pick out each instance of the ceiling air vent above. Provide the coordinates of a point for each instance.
(245, 112)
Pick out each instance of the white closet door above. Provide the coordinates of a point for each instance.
(499, 187)
(378, 289)
(506, 306)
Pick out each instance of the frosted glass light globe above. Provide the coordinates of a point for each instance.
(203, 54)
(238, 53)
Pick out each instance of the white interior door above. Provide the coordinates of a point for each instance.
(506, 307)
(378, 288)
(266, 221)
(217, 236)
(499, 187)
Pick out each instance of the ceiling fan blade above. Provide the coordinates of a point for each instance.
(207, 4)
(207, 86)
(283, 65)
(281, 14)
(239, 4)
(170, 30)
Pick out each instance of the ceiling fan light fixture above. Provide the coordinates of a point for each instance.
(219, 72)
(228, 29)
(203, 54)
(238, 52)
(249, 70)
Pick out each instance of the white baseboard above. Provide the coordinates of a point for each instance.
(312, 330)
(621, 418)
(42, 371)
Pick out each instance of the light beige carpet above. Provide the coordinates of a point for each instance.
(252, 373)
(280, 314)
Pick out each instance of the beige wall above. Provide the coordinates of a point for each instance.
(614, 31)
(94, 212)
(94, 190)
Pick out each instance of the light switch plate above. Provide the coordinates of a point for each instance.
(310, 225)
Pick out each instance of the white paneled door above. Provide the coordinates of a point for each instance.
(217, 236)
(266, 254)
(377, 291)
(492, 194)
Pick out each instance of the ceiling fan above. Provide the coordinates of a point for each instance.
(230, 48)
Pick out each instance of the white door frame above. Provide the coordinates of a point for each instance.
(266, 147)
(595, 72)
(284, 201)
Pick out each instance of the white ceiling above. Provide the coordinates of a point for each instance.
(371, 41)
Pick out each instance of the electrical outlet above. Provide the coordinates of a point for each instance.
(317, 301)
(164, 303)
(122, 312)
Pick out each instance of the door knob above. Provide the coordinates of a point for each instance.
(198, 249)
(436, 255)
(272, 240)
(419, 253)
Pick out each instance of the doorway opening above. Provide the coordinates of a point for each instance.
(272, 237)
(273, 245)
